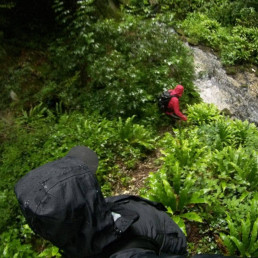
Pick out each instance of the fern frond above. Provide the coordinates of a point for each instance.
(238, 169)
(183, 199)
(180, 222)
(253, 235)
(232, 227)
(246, 228)
(228, 243)
(192, 216)
(195, 198)
(243, 196)
(253, 209)
(239, 244)
(170, 194)
(254, 248)
(176, 177)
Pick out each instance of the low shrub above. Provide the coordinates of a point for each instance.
(235, 44)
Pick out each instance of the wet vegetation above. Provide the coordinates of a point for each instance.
(89, 72)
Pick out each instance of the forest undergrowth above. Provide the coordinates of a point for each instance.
(94, 81)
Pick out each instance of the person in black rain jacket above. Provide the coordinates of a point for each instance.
(63, 203)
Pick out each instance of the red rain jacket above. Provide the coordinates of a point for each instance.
(173, 105)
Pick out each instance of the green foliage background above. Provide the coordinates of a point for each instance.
(92, 78)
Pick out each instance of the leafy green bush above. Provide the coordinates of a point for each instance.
(230, 13)
(236, 44)
(241, 46)
(185, 149)
(203, 113)
(238, 164)
(225, 132)
(119, 67)
(134, 133)
(176, 191)
(175, 184)
(132, 67)
(152, 8)
(244, 133)
(16, 242)
(202, 29)
(218, 134)
(242, 238)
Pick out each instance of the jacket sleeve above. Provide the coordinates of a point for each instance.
(176, 109)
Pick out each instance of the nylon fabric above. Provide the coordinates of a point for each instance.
(63, 202)
(153, 223)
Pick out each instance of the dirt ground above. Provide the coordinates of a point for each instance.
(137, 176)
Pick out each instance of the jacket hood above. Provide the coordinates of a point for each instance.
(86, 155)
(179, 90)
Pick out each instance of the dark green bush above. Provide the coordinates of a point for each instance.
(134, 66)
(118, 66)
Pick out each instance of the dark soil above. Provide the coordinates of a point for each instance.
(140, 173)
(137, 176)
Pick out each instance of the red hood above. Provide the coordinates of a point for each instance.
(179, 90)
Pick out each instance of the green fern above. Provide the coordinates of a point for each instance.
(237, 164)
(203, 113)
(252, 247)
(254, 208)
(243, 131)
(34, 114)
(177, 193)
(188, 153)
(134, 134)
(239, 245)
(242, 237)
(245, 228)
(228, 243)
(171, 197)
(232, 227)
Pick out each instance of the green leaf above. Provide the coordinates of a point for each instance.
(245, 228)
(227, 242)
(254, 247)
(239, 245)
(253, 235)
(177, 177)
(170, 194)
(195, 198)
(243, 196)
(232, 227)
(180, 222)
(52, 251)
(253, 209)
(169, 211)
(223, 185)
(192, 216)
(183, 199)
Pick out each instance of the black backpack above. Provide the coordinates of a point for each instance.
(164, 99)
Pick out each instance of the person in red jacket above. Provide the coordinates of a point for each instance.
(173, 109)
